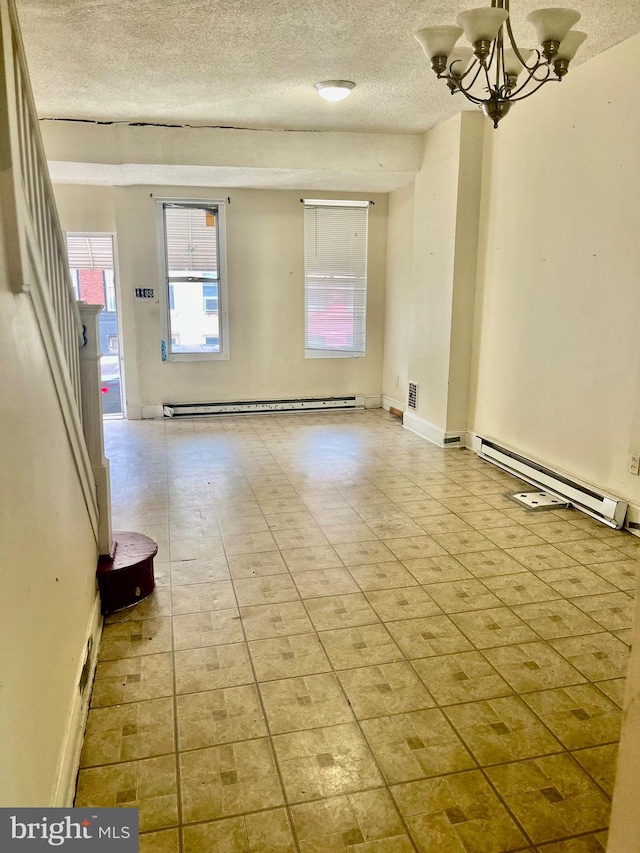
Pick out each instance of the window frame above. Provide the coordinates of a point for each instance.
(110, 305)
(75, 283)
(310, 353)
(165, 283)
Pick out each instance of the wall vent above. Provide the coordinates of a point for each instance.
(412, 401)
(309, 404)
(86, 667)
(611, 511)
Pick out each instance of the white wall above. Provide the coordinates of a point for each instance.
(266, 300)
(421, 250)
(557, 344)
(432, 254)
(229, 157)
(397, 312)
(48, 558)
(429, 307)
(557, 349)
(85, 208)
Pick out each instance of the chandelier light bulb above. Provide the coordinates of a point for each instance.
(334, 90)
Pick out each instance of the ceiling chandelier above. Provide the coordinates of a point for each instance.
(489, 73)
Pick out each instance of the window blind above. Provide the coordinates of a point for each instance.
(88, 252)
(191, 239)
(335, 283)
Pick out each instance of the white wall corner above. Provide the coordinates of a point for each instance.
(455, 438)
(469, 439)
(151, 412)
(390, 403)
(423, 428)
(134, 413)
(372, 401)
(70, 754)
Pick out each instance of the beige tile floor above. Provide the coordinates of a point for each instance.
(357, 643)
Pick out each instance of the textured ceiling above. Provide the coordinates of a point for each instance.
(253, 64)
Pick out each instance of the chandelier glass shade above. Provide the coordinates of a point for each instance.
(494, 72)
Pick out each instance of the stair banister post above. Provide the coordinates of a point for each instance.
(90, 382)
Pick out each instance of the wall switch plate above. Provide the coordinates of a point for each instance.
(634, 467)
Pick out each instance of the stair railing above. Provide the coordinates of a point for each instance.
(35, 248)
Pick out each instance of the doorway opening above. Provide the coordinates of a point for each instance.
(91, 261)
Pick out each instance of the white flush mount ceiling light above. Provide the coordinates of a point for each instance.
(489, 73)
(334, 90)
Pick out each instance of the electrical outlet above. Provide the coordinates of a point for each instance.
(634, 467)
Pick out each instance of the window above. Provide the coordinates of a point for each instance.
(210, 297)
(91, 263)
(335, 278)
(191, 236)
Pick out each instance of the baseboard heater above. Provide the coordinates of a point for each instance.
(605, 508)
(310, 404)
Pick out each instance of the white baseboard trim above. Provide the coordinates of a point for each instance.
(436, 435)
(70, 755)
(373, 402)
(390, 403)
(632, 519)
(148, 413)
(144, 413)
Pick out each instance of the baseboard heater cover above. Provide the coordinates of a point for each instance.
(611, 511)
(310, 404)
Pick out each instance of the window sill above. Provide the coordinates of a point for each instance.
(197, 356)
(332, 354)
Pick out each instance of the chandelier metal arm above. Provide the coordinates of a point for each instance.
(541, 65)
(485, 65)
(512, 40)
(455, 81)
(477, 68)
(473, 98)
(499, 56)
(501, 91)
(541, 83)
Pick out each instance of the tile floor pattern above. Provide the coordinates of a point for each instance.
(357, 643)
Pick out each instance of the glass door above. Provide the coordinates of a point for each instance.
(93, 275)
